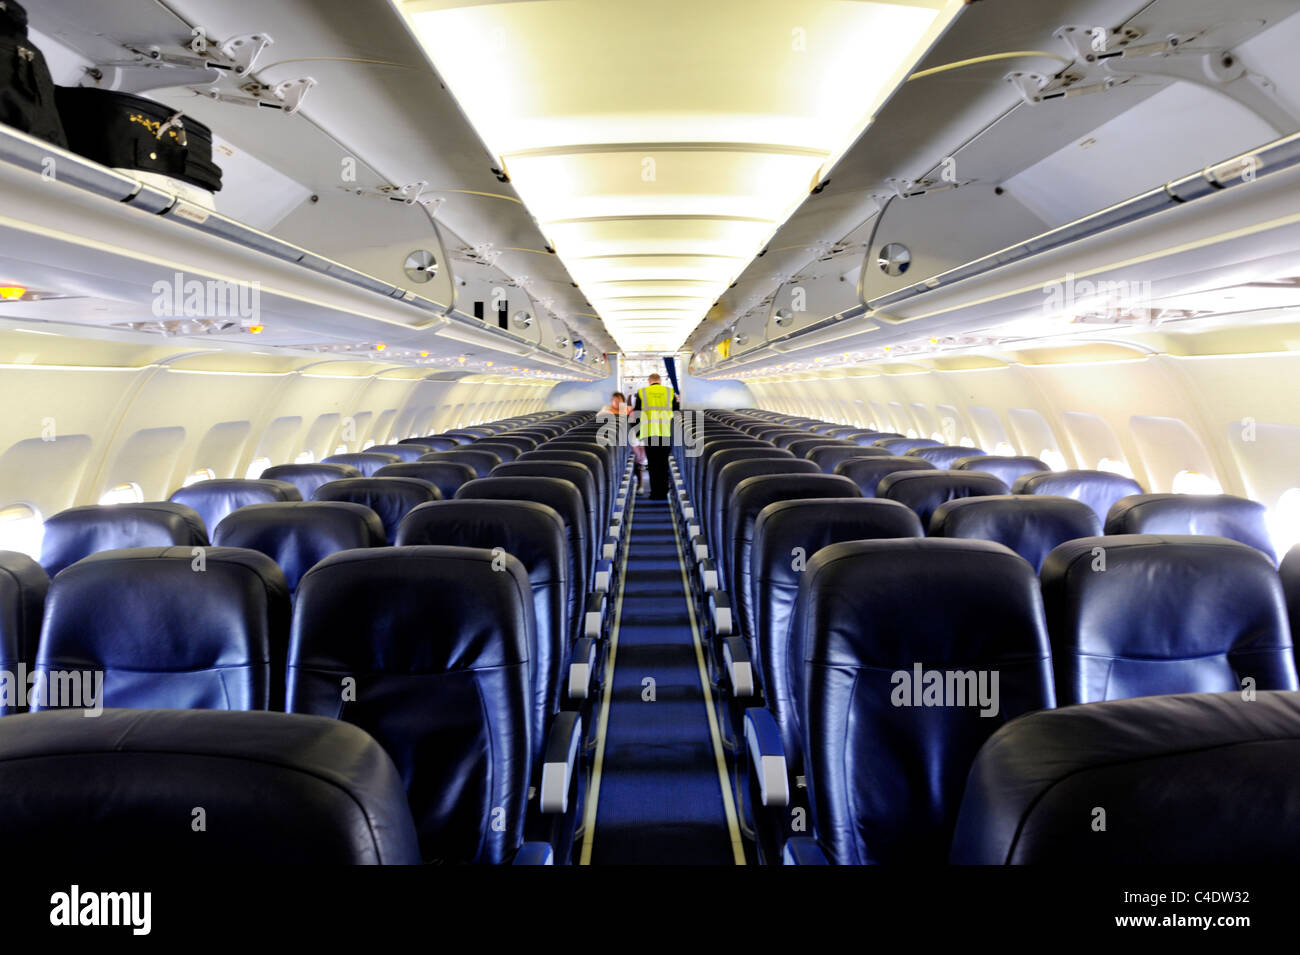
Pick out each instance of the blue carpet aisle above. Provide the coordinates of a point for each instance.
(660, 800)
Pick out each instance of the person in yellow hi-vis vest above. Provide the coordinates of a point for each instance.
(655, 404)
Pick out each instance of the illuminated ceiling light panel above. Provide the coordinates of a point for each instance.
(660, 145)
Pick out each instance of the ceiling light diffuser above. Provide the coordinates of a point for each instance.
(660, 145)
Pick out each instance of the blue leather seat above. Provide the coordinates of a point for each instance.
(411, 451)
(23, 585)
(391, 498)
(580, 476)
(504, 450)
(868, 472)
(903, 445)
(367, 462)
(307, 477)
(81, 531)
(1029, 524)
(1098, 489)
(719, 498)
(446, 476)
(273, 790)
(165, 632)
(827, 456)
(802, 447)
(785, 439)
(298, 534)
(1008, 467)
(706, 498)
(434, 643)
(519, 442)
(589, 445)
(1214, 515)
(481, 461)
(869, 438)
(1166, 615)
(1289, 572)
(699, 468)
(894, 653)
(594, 464)
(437, 442)
(945, 456)
(213, 500)
(924, 491)
(1189, 779)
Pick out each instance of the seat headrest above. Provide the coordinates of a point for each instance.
(481, 461)
(367, 462)
(391, 498)
(811, 524)
(1214, 515)
(827, 456)
(440, 442)
(580, 475)
(1005, 466)
(868, 472)
(943, 456)
(405, 452)
(923, 491)
(144, 611)
(80, 531)
(559, 494)
(526, 529)
(730, 475)
(869, 438)
(754, 493)
(903, 445)
(298, 534)
(1029, 524)
(276, 789)
(1289, 571)
(519, 442)
(307, 477)
(23, 585)
(1098, 489)
(446, 476)
(1137, 614)
(505, 451)
(1161, 767)
(213, 500)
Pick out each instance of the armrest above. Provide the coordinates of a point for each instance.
(535, 853)
(767, 757)
(802, 850)
(604, 576)
(593, 618)
(559, 760)
(708, 576)
(720, 612)
(609, 549)
(581, 668)
(735, 655)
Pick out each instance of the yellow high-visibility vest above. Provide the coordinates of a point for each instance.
(656, 411)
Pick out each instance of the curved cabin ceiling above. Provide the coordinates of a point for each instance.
(661, 145)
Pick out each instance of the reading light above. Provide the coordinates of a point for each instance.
(523, 319)
(660, 160)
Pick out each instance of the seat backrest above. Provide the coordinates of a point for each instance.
(1030, 524)
(307, 477)
(1289, 571)
(534, 534)
(391, 498)
(167, 628)
(506, 451)
(909, 655)
(943, 456)
(81, 531)
(213, 500)
(903, 445)
(1008, 467)
(440, 442)
(433, 644)
(404, 452)
(801, 447)
(1098, 489)
(481, 461)
(1163, 764)
(367, 462)
(723, 488)
(298, 534)
(446, 476)
(1144, 614)
(699, 466)
(923, 491)
(589, 459)
(867, 473)
(580, 475)
(605, 452)
(287, 790)
(827, 456)
(788, 438)
(786, 535)
(23, 585)
(519, 442)
(750, 497)
(720, 460)
(869, 438)
(1213, 515)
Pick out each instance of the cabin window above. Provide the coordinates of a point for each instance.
(1283, 520)
(1004, 448)
(1194, 482)
(256, 468)
(1115, 467)
(1053, 458)
(197, 475)
(304, 457)
(128, 493)
(21, 529)
(341, 449)
(370, 443)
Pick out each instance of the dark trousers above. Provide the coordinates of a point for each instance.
(657, 452)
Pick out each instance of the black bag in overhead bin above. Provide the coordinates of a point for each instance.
(26, 89)
(131, 132)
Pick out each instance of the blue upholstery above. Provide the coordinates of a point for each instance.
(869, 438)
(709, 480)
(367, 462)
(519, 442)
(23, 585)
(1029, 524)
(446, 476)
(787, 438)
(703, 472)
(778, 569)
(481, 461)
(1184, 780)
(535, 535)
(506, 451)
(1008, 467)
(436, 640)
(307, 477)
(885, 771)
(868, 472)
(718, 498)
(1167, 615)
(589, 459)
(213, 500)
(80, 531)
(298, 534)
(945, 456)
(903, 445)
(580, 476)
(391, 498)
(411, 451)
(275, 790)
(1214, 515)
(1289, 572)
(827, 456)
(167, 632)
(439, 442)
(802, 447)
(924, 491)
(1098, 489)
(589, 446)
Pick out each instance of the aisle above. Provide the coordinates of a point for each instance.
(659, 799)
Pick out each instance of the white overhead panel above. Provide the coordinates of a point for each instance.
(660, 145)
